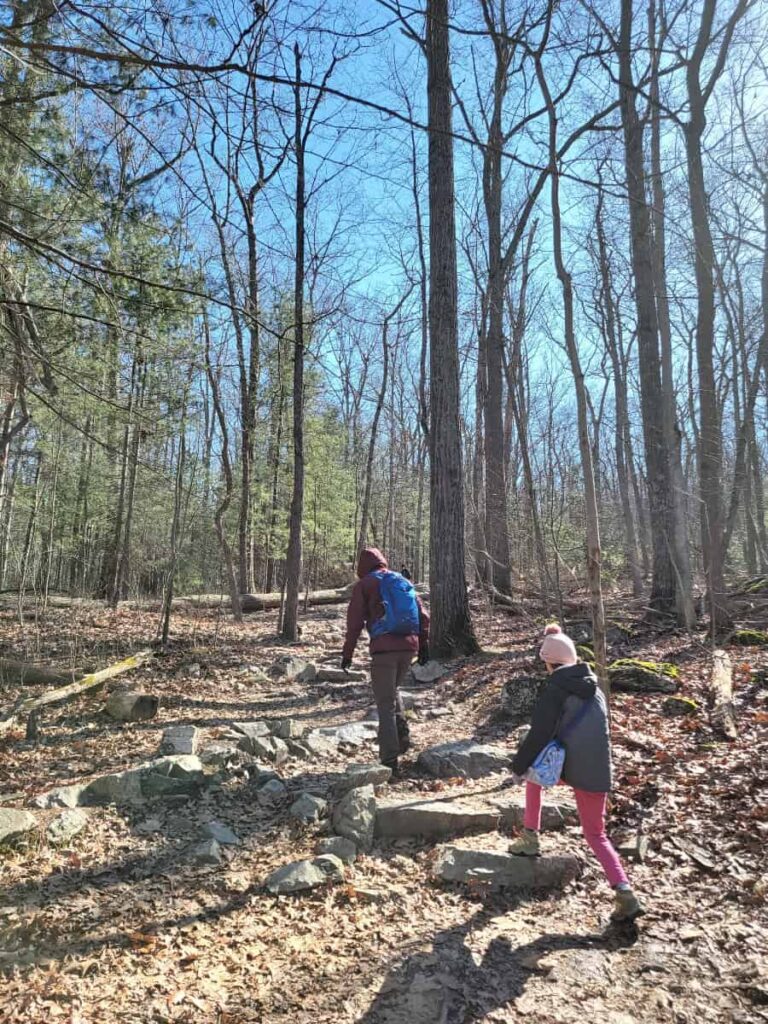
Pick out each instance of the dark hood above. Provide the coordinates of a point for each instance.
(371, 559)
(576, 679)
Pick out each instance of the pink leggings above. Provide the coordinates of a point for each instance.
(591, 807)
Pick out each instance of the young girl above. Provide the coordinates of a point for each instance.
(587, 767)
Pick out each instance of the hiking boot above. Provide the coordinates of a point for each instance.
(626, 907)
(526, 845)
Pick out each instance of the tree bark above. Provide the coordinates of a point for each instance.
(451, 631)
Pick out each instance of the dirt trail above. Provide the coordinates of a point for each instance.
(119, 925)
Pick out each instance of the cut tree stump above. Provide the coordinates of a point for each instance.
(90, 684)
(722, 715)
(125, 706)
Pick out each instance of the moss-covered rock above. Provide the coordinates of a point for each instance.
(585, 652)
(750, 638)
(677, 707)
(633, 676)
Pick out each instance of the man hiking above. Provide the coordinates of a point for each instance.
(398, 626)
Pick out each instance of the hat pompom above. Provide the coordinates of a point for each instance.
(552, 628)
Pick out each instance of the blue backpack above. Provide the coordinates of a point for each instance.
(401, 610)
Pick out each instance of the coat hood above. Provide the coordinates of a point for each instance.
(370, 560)
(578, 680)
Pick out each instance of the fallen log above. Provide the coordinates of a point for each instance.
(23, 673)
(265, 602)
(723, 715)
(87, 686)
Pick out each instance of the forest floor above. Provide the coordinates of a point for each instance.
(121, 926)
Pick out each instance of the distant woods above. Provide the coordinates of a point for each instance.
(485, 285)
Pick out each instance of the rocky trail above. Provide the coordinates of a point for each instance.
(210, 839)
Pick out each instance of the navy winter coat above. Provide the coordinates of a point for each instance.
(588, 745)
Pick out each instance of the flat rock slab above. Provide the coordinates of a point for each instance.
(253, 730)
(464, 758)
(352, 734)
(338, 675)
(504, 871)
(434, 819)
(553, 815)
(15, 825)
(174, 776)
(429, 673)
(180, 739)
(340, 847)
(362, 775)
(267, 748)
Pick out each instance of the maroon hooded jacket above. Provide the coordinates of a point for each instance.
(365, 607)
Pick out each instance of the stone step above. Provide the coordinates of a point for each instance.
(434, 819)
(504, 871)
(442, 819)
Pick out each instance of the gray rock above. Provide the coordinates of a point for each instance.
(518, 697)
(223, 755)
(340, 847)
(354, 817)
(66, 826)
(338, 675)
(319, 744)
(429, 673)
(268, 748)
(308, 808)
(351, 734)
(62, 796)
(290, 666)
(253, 730)
(362, 775)
(633, 847)
(302, 875)
(434, 819)
(180, 739)
(207, 852)
(554, 816)
(222, 833)
(131, 707)
(504, 871)
(463, 758)
(179, 775)
(299, 749)
(15, 825)
(287, 728)
(438, 712)
(272, 793)
(411, 701)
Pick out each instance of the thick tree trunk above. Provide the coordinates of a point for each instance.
(663, 598)
(293, 558)
(452, 630)
(590, 493)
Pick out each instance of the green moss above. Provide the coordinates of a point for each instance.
(750, 638)
(585, 652)
(661, 668)
(756, 586)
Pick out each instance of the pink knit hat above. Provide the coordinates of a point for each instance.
(557, 649)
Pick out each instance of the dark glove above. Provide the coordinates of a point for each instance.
(423, 657)
(345, 664)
